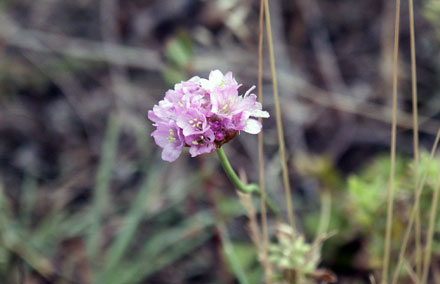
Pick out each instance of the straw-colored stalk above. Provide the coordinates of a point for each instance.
(246, 201)
(386, 257)
(265, 234)
(415, 135)
(280, 131)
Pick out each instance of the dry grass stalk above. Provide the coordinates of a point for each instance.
(265, 234)
(286, 182)
(386, 257)
(254, 229)
(418, 231)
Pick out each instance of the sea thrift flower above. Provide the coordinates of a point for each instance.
(203, 114)
(169, 136)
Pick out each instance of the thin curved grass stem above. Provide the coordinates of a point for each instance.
(280, 131)
(386, 257)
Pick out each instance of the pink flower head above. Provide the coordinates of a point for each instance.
(203, 114)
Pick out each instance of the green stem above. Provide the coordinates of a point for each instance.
(245, 188)
(233, 177)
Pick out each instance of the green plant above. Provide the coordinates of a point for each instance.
(296, 261)
(367, 200)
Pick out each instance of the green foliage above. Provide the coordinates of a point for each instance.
(130, 256)
(125, 254)
(247, 257)
(367, 191)
(296, 261)
(367, 199)
(103, 179)
(359, 210)
(235, 262)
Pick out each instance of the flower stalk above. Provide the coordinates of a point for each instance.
(233, 177)
(245, 188)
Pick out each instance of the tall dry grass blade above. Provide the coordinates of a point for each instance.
(418, 232)
(413, 213)
(429, 236)
(286, 181)
(386, 257)
(414, 83)
(265, 235)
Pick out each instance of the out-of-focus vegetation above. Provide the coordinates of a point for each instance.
(359, 209)
(85, 198)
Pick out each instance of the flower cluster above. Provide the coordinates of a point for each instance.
(203, 114)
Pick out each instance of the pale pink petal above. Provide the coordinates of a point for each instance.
(252, 126)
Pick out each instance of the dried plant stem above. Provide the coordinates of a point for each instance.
(246, 201)
(386, 257)
(414, 83)
(265, 244)
(412, 274)
(429, 236)
(278, 118)
(413, 213)
(415, 135)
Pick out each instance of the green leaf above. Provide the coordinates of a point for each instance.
(131, 222)
(178, 51)
(232, 257)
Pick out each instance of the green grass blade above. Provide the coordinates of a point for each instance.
(102, 184)
(141, 270)
(131, 221)
(231, 256)
(164, 248)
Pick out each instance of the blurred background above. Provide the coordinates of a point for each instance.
(85, 197)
